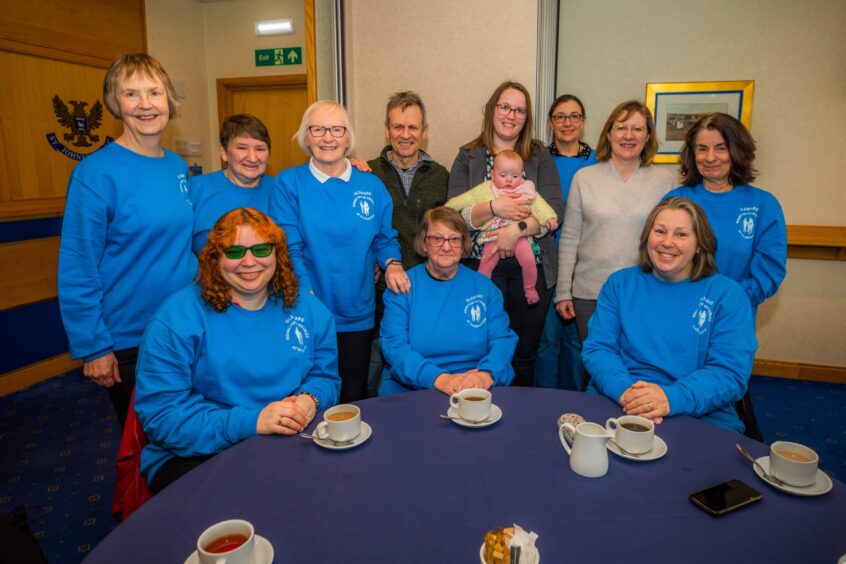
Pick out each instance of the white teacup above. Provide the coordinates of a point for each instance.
(340, 423)
(473, 404)
(632, 433)
(793, 463)
(227, 542)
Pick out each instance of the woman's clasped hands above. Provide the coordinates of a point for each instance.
(454, 383)
(646, 400)
(286, 417)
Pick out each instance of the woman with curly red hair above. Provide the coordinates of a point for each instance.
(219, 355)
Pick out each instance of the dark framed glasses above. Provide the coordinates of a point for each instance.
(259, 250)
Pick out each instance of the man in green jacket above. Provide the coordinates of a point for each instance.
(415, 182)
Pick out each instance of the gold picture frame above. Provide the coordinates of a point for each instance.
(675, 106)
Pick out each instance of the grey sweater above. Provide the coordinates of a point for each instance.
(602, 225)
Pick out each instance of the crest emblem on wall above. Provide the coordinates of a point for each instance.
(81, 124)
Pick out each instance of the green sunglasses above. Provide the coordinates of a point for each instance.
(259, 250)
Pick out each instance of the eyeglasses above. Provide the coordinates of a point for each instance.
(259, 250)
(635, 130)
(505, 109)
(439, 240)
(320, 130)
(573, 118)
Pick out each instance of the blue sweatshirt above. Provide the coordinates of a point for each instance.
(126, 246)
(694, 339)
(442, 326)
(567, 168)
(336, 231)
(751, 236)
(203, 377)
(213, 195)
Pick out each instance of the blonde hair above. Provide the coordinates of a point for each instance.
(128, 65)
(621, 113)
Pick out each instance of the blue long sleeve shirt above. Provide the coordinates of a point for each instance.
(694, 339)
(203, 377)
(213, 195)
(447, 326)
(126, 246)
(751, 236)
(336, 231)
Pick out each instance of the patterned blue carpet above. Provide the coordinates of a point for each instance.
(59, 440)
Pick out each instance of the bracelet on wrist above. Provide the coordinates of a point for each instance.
(491, 205)
(313, 398)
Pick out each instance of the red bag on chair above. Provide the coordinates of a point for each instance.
(131, 491)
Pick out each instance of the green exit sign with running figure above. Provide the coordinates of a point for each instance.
(278, 57)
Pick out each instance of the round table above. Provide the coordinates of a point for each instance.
(423, 489)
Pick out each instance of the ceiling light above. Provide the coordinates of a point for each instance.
(274, 27)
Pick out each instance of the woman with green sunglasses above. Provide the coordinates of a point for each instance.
(219, 355)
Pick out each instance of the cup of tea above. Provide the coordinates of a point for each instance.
(632, 433)
(793, 463)
(473, 404)
(340, 423)
(227, 542)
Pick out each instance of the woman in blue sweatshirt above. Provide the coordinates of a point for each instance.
(219, 357)
(716, 167)
(451, 331)
(126, 233)
(245, 147)
(671, 336)
(338, 224)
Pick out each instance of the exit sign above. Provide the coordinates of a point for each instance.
(278, 57)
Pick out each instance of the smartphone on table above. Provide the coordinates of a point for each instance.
(726, 497)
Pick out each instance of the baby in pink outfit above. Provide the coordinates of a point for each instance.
(507, 178)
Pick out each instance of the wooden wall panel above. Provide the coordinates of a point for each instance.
(35, 262)
(35, 175)
(92, 32)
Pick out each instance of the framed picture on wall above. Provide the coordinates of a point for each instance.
(677, 105)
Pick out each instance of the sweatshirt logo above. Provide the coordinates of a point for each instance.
(702, 315)
(183, 187)
(296, 333)
(746, 221)
(475, 311)
(363, 205)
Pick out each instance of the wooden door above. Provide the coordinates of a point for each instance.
(279, 102)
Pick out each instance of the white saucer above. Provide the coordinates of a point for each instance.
(659, 449)
(496, 415)
(362, 437)
(821, 486)
(528, 557)
(262, 553)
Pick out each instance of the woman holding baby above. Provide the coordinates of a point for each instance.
(507, 126)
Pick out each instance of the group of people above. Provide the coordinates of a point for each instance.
(236, 304)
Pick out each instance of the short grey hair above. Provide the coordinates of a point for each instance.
(300, 135)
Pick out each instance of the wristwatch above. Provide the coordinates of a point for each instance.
(523, 226)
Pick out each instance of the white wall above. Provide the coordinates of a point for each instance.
(796, 54)
(451, 53)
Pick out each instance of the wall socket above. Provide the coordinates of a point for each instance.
(187, 147)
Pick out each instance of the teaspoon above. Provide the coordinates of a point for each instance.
(766, 474)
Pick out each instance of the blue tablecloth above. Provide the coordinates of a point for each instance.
(423, 489)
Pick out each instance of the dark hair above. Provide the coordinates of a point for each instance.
(741, 147)
(403, 100)
(448, 217)
(214, 289)
(525, 143)
(129, 64)
(558, 101)
(704, 264)
(621, 113)
(565, 98)
(243, 125)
